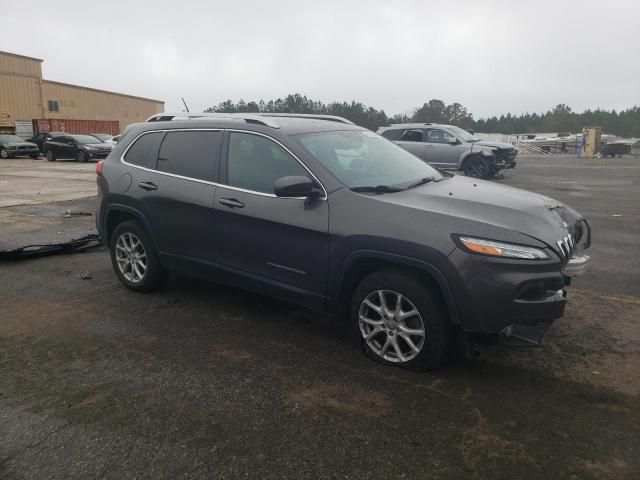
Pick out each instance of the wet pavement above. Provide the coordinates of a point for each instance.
(200, 380)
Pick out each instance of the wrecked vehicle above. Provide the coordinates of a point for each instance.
(452, 148)
(320, 212)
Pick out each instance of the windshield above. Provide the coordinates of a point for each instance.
(84, 139)
(463, 134)
(361, 158)
(102, 136)
(10, 138)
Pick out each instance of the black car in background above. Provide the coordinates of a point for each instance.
(80, 147)
(14, 146)
(40, 138)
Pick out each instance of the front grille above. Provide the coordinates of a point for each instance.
(566, 246)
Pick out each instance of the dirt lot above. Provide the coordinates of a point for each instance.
(200, 380)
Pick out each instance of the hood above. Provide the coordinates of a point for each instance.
(492, 144)
(97, 145)
(21, 144)
(541, 218)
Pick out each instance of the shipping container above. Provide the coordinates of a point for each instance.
(111, 127)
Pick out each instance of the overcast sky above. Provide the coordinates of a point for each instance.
(492, 56)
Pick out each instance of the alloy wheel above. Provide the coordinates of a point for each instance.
(391, 326)
(131, 257)
(4, 153)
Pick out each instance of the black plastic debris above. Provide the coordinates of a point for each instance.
(31, 251)
(69, 214)
(86, 275)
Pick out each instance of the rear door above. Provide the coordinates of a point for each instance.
(278, 241)
(174, 187)
(439, 150)
(412, 140)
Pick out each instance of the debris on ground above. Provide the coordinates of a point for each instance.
(86, 275)
(69, 214)
(29, 251)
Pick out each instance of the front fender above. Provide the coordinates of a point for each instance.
(337, 291)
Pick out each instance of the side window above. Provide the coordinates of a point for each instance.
(255, 163)
(413, 136)
(67, 140)
(191, 154)
(144, 152)
(392, 134)
(439, 136)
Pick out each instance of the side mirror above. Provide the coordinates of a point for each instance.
(296, 187)
(453, 141)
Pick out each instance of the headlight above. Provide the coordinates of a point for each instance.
(87, 147)
(505, 250)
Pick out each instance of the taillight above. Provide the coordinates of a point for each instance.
(99, 167)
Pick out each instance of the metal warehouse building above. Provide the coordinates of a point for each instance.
(30, 104)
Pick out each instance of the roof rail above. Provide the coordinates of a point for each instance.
(247, 117)
(310, 116)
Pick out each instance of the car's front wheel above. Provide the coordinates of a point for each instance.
(477, 167)
(81, 157)
(4, 153)
(50, 156)
(400, 320)
(134, 258)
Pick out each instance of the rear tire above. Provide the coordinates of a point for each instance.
(477, 167)
(4, 153)
(418, 340)
(134, 257)
(50, 156)
(81, 157)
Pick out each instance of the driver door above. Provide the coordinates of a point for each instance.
(440, 151)
(283, 242)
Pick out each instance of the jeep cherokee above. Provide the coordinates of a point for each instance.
(326, 214)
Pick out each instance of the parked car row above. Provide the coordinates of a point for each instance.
(56, 145)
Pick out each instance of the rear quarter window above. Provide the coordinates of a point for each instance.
(394, 134)
(193, 154)
(144, 151)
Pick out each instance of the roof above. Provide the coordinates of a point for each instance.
(21, 56)
(102, 91)
(414, 125)
(285, 125)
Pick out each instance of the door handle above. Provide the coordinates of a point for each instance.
(231, 203)
(148, 186)
(429, 146)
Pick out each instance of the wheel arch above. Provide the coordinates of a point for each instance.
(116, 214)
(359, 264)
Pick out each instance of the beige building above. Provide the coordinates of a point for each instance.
(26, 97)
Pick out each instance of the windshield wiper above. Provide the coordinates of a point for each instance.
(377, 189)
(422, 181)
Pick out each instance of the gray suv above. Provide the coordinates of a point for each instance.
(326, 214)
(452, 148)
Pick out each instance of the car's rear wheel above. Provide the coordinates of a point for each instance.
(81, 157)
(134, 258)
(4, 153)
(400, 320)
(477, 167)
(50, 156)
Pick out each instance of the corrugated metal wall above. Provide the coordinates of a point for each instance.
(20, 89)
(111, 127)
(79, 102)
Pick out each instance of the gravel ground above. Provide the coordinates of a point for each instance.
(200, 380)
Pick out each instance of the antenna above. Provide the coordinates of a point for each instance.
(185, 104)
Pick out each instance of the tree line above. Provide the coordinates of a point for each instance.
(561, 118)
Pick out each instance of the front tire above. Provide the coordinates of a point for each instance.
(50, 156)
(81, 157)
(400, 320)
(134, 257)
(4, 153)
(477, 167)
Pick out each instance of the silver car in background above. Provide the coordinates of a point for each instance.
(451, 148)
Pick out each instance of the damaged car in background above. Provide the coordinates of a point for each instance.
(451, 148)
(323, 213)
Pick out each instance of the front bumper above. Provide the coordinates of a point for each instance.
(23, 152)
(515, 299)
(96, 155)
